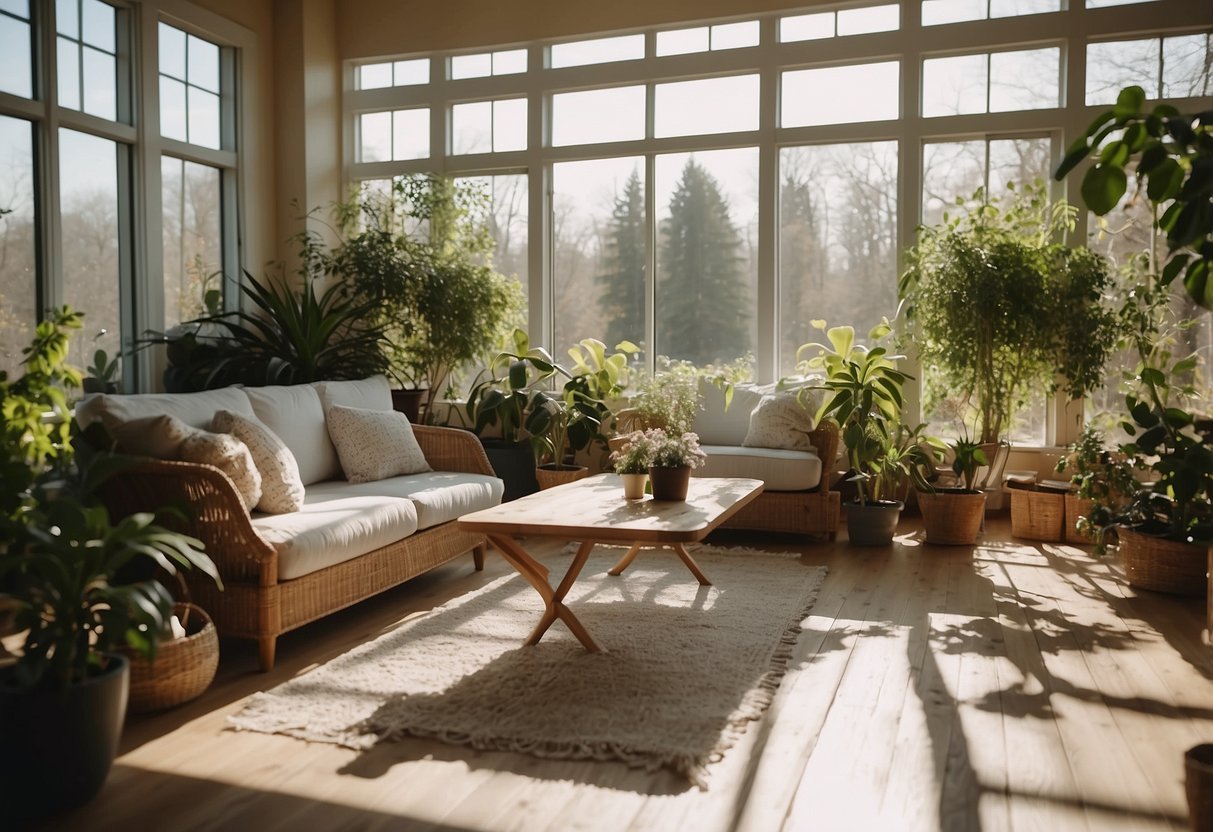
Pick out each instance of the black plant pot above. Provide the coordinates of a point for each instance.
(408, 401)
(56, 747)
(514, 462)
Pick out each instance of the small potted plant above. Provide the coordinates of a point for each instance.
(953, 515)
(631, 463)
(672, 458)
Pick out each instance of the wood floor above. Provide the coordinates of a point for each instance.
(1014, 686)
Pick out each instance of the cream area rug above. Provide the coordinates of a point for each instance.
(685, 668)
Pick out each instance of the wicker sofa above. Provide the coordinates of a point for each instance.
(348, 542)
(796, 497)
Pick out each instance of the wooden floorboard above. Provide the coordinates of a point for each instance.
(1011, 686)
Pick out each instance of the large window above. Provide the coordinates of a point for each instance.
(709, 189)
(18, 251)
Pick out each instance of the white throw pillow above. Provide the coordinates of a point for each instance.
(293, 412)
(779, 421)
(374, 393)
(375, 444)
(281, 488)
(229, 455)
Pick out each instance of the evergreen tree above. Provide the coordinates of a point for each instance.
(802, 264)
(703, 304)
(622, 278)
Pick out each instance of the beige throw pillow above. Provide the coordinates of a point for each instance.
(374, 444)
(779, 421)
(281, 487)
(229, 455)
(159, 437)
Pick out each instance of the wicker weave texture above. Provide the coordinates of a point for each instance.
(952, 519)
(1037, 515)
(183, 668)
(1161, 565)
(1077, 507)
(796, 512)
(451, 449)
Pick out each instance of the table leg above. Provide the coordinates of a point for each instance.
(537, 576)
(691, 564)
(626, 560)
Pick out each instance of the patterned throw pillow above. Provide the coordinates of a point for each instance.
(779, 421)
(281, 488)
(229, 455)
(374, 444)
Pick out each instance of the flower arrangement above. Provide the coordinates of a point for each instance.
(654, 448)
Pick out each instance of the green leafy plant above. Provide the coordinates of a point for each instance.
(59, 548)
(1172, 154)
(908, 458)
(967, 457)
(1001, 309)
(669, 398)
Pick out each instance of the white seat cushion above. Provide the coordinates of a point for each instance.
(333, 527)
(438, 496)
(295, 416)
(779, 470)
(718, 426)
(195, 409)
(374, 393)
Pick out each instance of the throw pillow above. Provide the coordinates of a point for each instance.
(281, 487)
(159, 437)
(229, 455)
(779, 421)
(374, 444)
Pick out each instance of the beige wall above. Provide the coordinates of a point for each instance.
(372, 28)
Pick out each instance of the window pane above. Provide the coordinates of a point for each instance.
(68, 68)
(954, 86)
(203, 64)
(191, 228)
(509, 125)
(100, 84)
(841, 94)
(597, 51)
(872, 19)
(408, 73)
(598, 251)
(18, 273)
(595, 116)
(88, 195)
(203, 118)
(837, 240)
(67, 18)
(950, 170)
(682, 41)
(172, 51)
(806, 27)
(735, 35)
(20, 8)
(411, 134)
(172, 109)
(510, 62)
(1014, 8)
(706, 268)
(508, 223)
(98, 20)
(472, 128)
(711, 105)
(471, 66)
(937, 12)
(1113, 66)
(1021, 161)
(17, 77)
(375, 135)
(1185, 66)
(1099, 4)
(374, 76)
(1025, 80)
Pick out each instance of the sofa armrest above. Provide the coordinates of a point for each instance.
(452, 449)
(211, 510)
(825, 439)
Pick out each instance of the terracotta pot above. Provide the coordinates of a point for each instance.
(633, 485)
(670, 483)
(952, 516)
(551, 475)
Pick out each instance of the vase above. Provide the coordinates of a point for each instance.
(670, 483)
(874, 523)
(633, 485)
(952, 516)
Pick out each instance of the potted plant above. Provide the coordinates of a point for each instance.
(631, 463)
(671, 460)
(566, 421)
(63, 692)
(863, 393)
(1095, 478)
(668, 399)
(953, 516)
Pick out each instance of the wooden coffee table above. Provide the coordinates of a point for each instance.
(593, 510)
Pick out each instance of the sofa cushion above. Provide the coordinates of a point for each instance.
(159, 437)
(295, 416)
(374, 393)
(281, 489)
(438, 496)
(374, 444)
(195, 409)
(780, 421)
(334, 526)
(718, 426)
(229, 455)
(780, 470)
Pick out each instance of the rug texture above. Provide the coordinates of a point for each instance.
(685, 668)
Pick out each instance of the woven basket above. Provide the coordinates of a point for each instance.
(183, 668)
(552, 477)
(1161, 565)
(952, 518)
(1077, 507)
(1037, 515)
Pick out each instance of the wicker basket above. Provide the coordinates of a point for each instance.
(550, 477)
(1038, 515)
(1077, 507)
(953, 519)
(183, 668)
(1161, 565)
